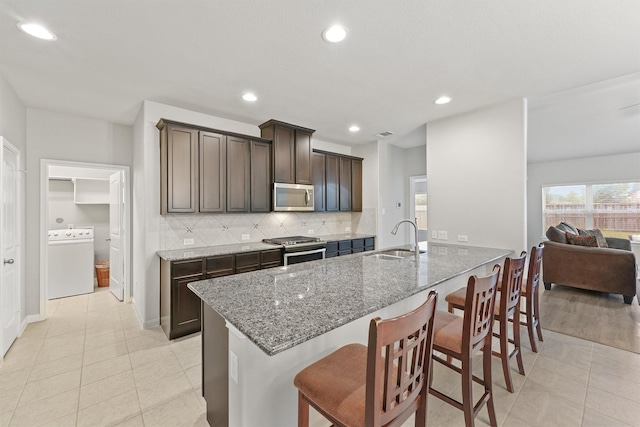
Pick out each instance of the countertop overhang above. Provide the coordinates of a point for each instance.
(279, 308)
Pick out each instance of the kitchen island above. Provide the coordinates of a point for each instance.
(261, 328)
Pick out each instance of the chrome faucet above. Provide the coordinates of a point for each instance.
(415, 227)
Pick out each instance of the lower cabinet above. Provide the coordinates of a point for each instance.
(349, 246)
(180, 309)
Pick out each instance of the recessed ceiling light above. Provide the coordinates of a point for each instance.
(36, 30)
(249, 97)
(334, 34)
(442, 100)
(354, 128)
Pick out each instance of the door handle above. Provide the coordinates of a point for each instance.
(306, 197)
(107, 240)
(8, 261)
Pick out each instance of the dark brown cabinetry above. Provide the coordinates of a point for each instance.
(179, 307)
(207, 170)
(291, 147)
(342, 184)
(179, 162)
(318, 175)
(349, 246)
(260, 176)
(180, 310)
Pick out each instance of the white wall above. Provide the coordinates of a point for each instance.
(391, 190)
(60, 136)
(602, 169)
(318, 144)
(368, 219)
(476, 176)
(13, 126)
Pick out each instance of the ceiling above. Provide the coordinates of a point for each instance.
(203, 55)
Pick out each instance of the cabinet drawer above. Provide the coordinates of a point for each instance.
(357, 244)
(247, 259)
(185, 268)
(347, 252)
(356, 250)
(247, 268)
(331, 254)
(270, 257)
(270, 264)
(369, 243)
(218, 266)
(344, 245)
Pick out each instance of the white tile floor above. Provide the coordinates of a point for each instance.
(90, 364)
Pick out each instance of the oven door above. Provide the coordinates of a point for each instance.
(292, 197)
(304, 256)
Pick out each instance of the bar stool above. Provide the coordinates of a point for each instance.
(379, 385)
(531, 309)
(462, 337)
(507, 310)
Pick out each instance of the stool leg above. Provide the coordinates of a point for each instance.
(488, 387)
(303, 411)
(536, 314)
(504, 352)
(516, 339)
(530, 327)
(467, 390)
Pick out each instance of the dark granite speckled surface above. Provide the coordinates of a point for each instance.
(281, 307)
(182, 254)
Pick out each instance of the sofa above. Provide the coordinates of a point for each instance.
(609, 269)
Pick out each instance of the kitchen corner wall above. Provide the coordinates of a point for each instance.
(222, 229)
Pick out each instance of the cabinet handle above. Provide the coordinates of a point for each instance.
(8, 261)
(306, 197)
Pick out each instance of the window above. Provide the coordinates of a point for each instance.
(613, 208)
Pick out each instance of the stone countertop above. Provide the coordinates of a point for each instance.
(207, 251)
(279, 308)
(344, 236)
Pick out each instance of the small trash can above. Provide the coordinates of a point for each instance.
(102, 273)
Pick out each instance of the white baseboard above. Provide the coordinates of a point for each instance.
(146, 324)
(29, 319)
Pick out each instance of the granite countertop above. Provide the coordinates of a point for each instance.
(183, 254)
(344, 236)
(281, 307)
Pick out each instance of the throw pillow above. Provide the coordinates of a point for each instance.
(582, 240)
(556, 235)
(600, 239)
(567, 228)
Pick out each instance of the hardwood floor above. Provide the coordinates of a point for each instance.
(590, 315)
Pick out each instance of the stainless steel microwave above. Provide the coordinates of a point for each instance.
(292, 197)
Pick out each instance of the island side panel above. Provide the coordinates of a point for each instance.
(215, 367)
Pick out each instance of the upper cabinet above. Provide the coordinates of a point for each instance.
(291, 147)
(212, 171)
(339, 184)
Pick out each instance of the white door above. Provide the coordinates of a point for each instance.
(10, 277)
(116, 255)
(418, 204)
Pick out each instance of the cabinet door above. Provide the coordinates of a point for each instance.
(303, 157)
(182, 169)
(317, 172)
(345, 184)
(185, 305)
(220, 265)
(212, 172)
(271, 258)
(247, 261)
(260, 176)
(283, 155)
(332, 180)
(356, 185)
(238, 174)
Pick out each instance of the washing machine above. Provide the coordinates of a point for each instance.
(71, 262)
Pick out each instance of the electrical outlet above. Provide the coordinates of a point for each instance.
(462, 238)
(188, 242)
(233, 366)
(245, 237)
(434, 234)
(347, 229)
(442, 235)
(310, 231)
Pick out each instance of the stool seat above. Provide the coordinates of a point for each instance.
(337, 383)
(448, 331)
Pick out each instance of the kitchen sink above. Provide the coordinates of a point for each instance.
(395, 254)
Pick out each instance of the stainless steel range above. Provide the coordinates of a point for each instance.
(300, 248)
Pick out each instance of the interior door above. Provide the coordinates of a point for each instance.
(10, 278)
(116, 255)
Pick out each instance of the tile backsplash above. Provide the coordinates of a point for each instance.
(222, 229)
